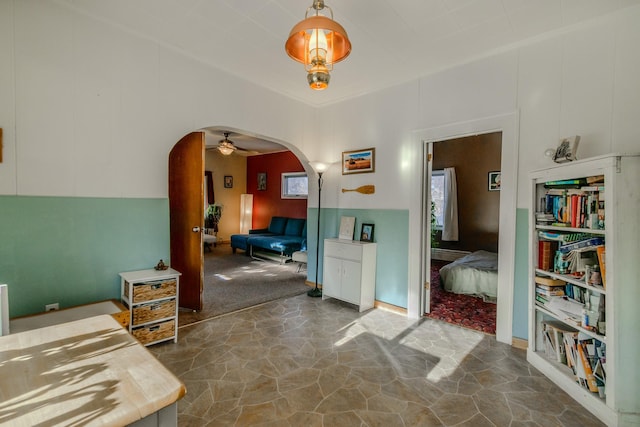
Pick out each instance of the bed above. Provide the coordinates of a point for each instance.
(474, 274)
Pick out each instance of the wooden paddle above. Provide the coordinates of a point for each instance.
(365, 189)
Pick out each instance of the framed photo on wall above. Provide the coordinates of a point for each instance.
(262, 181)
(359, 161)
(228, 181)
(366, 233)
(495, 181)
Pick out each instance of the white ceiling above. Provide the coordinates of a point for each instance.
(393, 41)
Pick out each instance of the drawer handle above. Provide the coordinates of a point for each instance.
(156, 286)
(155, 307)
(154, 328)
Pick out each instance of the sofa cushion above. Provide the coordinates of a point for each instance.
(294, 227)
(283, 244)
(277, 225)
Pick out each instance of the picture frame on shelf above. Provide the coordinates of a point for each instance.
(228, 181)
(262, 181)
(347, 227)
(366, 232)
(359, 161)
(495, 181)
(566, 151)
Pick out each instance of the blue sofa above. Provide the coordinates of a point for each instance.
(284, 236)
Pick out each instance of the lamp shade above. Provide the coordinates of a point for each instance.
(300, 44)
(246, 213)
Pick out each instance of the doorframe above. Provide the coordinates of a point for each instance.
(508, 125)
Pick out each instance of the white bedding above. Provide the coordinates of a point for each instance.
(473, 274)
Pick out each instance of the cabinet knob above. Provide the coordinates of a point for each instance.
(196, 229)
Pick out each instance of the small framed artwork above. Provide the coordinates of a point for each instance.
(347, 226)
(566, 151)
(366, 233)
(262, 181)
(495, 179)
(228, 181)
(359, 161)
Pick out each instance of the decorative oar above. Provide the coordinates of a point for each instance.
(365, 189)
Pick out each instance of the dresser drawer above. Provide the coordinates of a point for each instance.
(148, 291)
(153, 311)
(343, 250)
(155, 332)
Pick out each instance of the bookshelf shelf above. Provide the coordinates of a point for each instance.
(571, 229)
(571, 323)
(572, 280)
(586, 270)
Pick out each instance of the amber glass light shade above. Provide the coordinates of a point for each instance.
(318, 42)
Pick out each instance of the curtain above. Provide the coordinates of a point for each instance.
(450, 214)
(210, 196)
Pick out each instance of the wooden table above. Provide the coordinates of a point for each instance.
(89, 372)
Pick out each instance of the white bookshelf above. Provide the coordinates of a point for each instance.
(620, 405)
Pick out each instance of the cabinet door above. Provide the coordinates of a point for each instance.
(351, 281)
(331, 277)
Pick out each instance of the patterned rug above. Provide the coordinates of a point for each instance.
(463, 310)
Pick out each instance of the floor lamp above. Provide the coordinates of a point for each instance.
(320, 168)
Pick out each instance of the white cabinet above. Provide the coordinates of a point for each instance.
(350, 272)
(152, 299)
(584, 242)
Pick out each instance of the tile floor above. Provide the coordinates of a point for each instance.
(302, 361)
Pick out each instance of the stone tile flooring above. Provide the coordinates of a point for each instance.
(302, 361)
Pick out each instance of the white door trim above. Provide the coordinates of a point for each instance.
(508, 125)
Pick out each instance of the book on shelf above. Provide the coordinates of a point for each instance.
(591, 241)
(596, 179)
(554, 292)
(587, 379)
(548, 281)
(554, 332)
(566, 183)
(563, 237)
(601, 253)
(546, 254)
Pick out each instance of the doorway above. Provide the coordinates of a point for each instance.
(188, 254)
(418, 225)
(464, 234)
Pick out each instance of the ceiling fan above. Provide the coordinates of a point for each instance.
(227, 147)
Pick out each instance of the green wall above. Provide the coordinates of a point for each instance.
(391, 233)
(521, 281)
(70, 250)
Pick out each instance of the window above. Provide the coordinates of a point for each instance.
(295, 185)
(437, 196)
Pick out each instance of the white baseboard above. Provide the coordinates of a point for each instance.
(447, 254)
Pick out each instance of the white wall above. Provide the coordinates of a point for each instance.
(585, 81)
(89, 110)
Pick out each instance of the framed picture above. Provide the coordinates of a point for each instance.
(228, 181)
(366, 233)
(566, 151)
(495, 179)
(347, 226)
(262, 181)
(359, 161)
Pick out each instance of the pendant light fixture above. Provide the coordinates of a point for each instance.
(318, 42)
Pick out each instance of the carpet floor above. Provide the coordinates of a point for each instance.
(235, 281)
(464, 310)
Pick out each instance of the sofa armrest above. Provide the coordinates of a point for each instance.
(259, 231)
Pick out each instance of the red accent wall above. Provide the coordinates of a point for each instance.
(268, 203)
